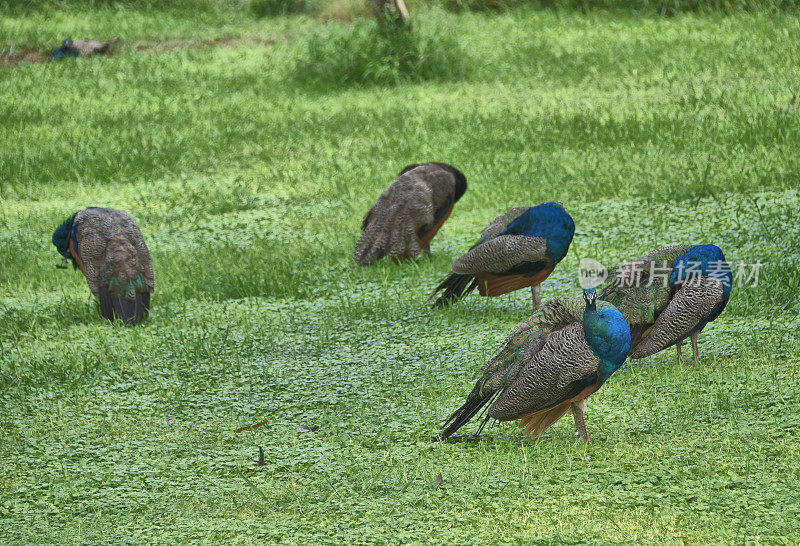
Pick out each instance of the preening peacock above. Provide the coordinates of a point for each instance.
(550, 364)
(520, 248)
(669, 295)
(107, 246)
(409, 212)
(81, 48)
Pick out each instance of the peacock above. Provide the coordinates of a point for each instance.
(520, 248)
(550, 364)
(81, 48)
(409, 212)
(670, 294)
(107, 246)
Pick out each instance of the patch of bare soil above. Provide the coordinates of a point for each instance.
(17, 56)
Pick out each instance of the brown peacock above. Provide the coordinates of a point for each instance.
(669, 295)
(549, 365)
(107, 246)
(520, 248)
(409, 212)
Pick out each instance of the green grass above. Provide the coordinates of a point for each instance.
(249, 184)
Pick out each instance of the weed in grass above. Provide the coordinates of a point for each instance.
(272, 8)
(362, 54)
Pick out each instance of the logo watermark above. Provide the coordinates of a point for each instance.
(592, 273)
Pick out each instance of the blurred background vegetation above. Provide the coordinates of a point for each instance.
(347, 9)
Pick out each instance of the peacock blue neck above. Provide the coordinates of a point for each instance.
(705, 260)
(61, 237)
(551, 222)
(607, 334)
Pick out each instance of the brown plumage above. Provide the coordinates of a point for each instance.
(86, 48)
(409, 213)
(108, 248)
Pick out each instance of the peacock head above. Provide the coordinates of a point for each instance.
(461, 180)
(66, 42)
(61, 237)
(461, 183)
(590, 297)
(607, 333)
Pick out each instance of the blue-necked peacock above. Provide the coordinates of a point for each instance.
(550, 364)
(520, 248)
(107, 246)
(409, 212)
(669, 295)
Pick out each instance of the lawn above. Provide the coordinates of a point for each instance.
(248, 149)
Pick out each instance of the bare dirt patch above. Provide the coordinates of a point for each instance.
(15, 56)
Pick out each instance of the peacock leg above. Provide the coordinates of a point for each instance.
(680, 356)
(579, 413)
(427, 250)
(695, 352)
(535, 296)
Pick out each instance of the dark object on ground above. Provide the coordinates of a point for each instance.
(81, 48)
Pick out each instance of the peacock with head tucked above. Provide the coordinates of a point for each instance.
(550, 364)
(108, 248)
(669, 295)
(410, 212)
(81, 48)
(518, 249)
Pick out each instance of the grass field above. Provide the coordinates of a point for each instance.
(248, 163)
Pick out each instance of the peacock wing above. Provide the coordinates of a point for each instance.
(502, 254)
(442, 183)
(691, 304)
(518, 348)
(91, 235)
(499, 224)
(113, 252)
(390, 227)
(529, 337)
(561, 370)
(89, 47)
(439, 179)
(142, 265)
